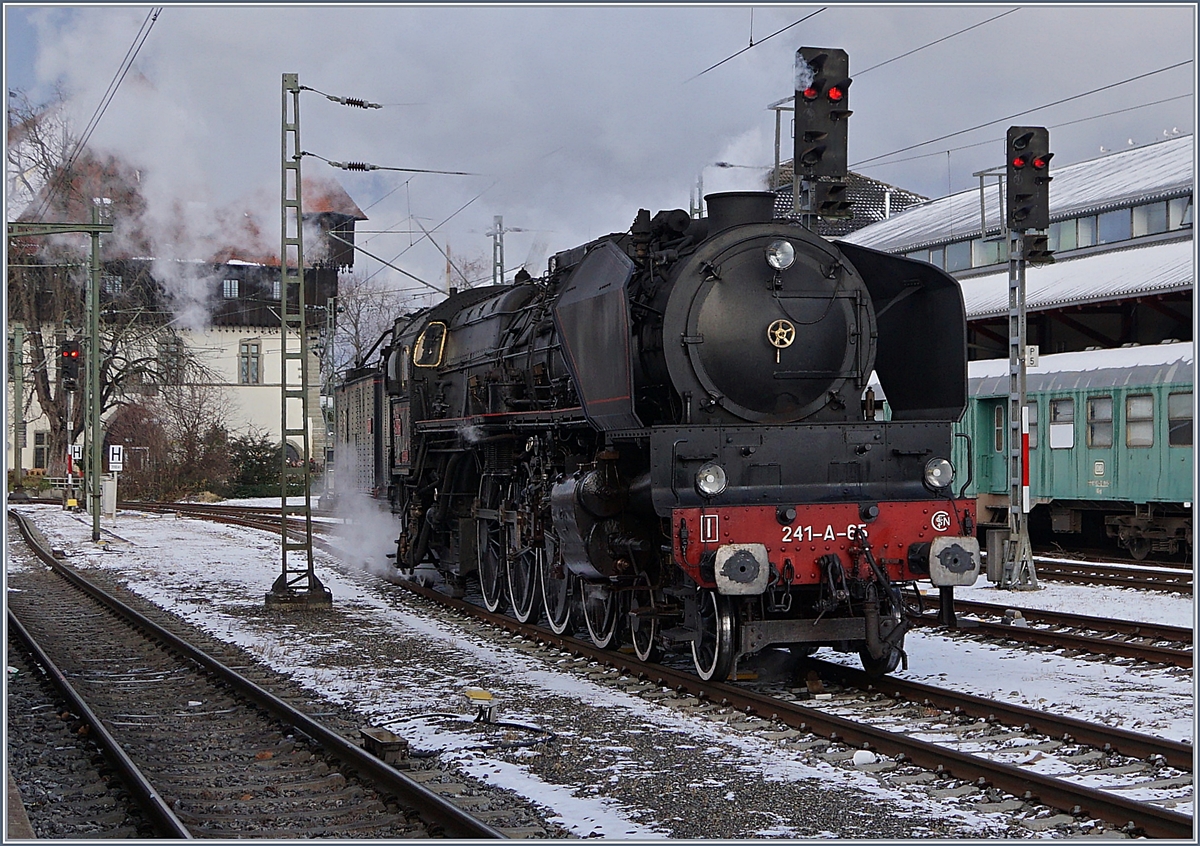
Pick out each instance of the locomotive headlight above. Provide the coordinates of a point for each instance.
(780, 255)
(939, 473)
(710, 479)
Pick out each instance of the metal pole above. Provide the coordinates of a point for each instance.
(93, 371)
(1019, 572)
(297, 585)
(498, 250)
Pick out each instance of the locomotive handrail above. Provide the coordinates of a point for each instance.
(970, 462)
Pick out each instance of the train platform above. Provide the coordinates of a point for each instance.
(17, 821)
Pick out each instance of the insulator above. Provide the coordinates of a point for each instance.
(359, 166)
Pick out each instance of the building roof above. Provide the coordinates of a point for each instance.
(1118, 274)
(1140, 174)
(1155, 364)
(871, 200)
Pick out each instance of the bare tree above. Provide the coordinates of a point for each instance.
(48, 275)
(366, 308)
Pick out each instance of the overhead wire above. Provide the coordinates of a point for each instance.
(1052, 126)
(753, 44)
(131, 55)
(1023, 112)
(938, 41)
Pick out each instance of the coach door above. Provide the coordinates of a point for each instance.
(991, 446)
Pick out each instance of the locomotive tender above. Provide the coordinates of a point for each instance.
(669, 439)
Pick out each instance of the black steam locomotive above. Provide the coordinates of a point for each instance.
(672, 439)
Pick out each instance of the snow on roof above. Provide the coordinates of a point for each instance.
(1135, 365)
(1128, 177)
(1156, 268)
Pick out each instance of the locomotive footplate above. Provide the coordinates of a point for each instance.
(740, 549)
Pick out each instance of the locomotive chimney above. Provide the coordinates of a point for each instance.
(733, 208)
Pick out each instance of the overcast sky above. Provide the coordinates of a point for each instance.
(574, 116)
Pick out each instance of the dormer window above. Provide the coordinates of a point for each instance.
(231, 289)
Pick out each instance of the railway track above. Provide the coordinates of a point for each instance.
(205, 750)
(1116, 638)
(1171, 580)
(903, 746)
(1160, 762)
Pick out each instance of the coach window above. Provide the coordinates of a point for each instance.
(1033, 424)
(998, 427)
(1100, 422)
(1139, 420)
(429, 345)
(1062, 423)
(1179, 419)
(1179, 213)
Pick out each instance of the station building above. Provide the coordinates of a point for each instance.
(1121, 234)
(221, 310)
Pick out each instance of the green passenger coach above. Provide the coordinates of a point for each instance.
(1110, 445)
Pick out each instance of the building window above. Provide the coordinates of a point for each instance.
(958, 256)
(919, 255)
(998, 427)
(1179, 213)
(231, 289)
(937, 257)
(1139, 420)
(1113, 226)
(1149, 219)
(249, 363)
(1062, 235)
(40, 441)
(1031, 408)
(112, 284)
(170, 360)
(984, 252)
(1100, 422)
(275, 285)
(1179, 419)
(1086, 228)
(1062, 423)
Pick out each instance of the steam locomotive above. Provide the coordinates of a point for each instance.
(672, 440)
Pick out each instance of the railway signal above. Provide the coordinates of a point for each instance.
(1037, 249)
(822, 109)
(1028, 177)
(830, 200)
(69, 364)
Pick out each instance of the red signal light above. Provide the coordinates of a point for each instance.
(1019, 162)
(811, 93)
(836, 94)
(1039, 163)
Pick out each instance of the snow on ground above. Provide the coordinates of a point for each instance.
(1115, 603)
(217, 576)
